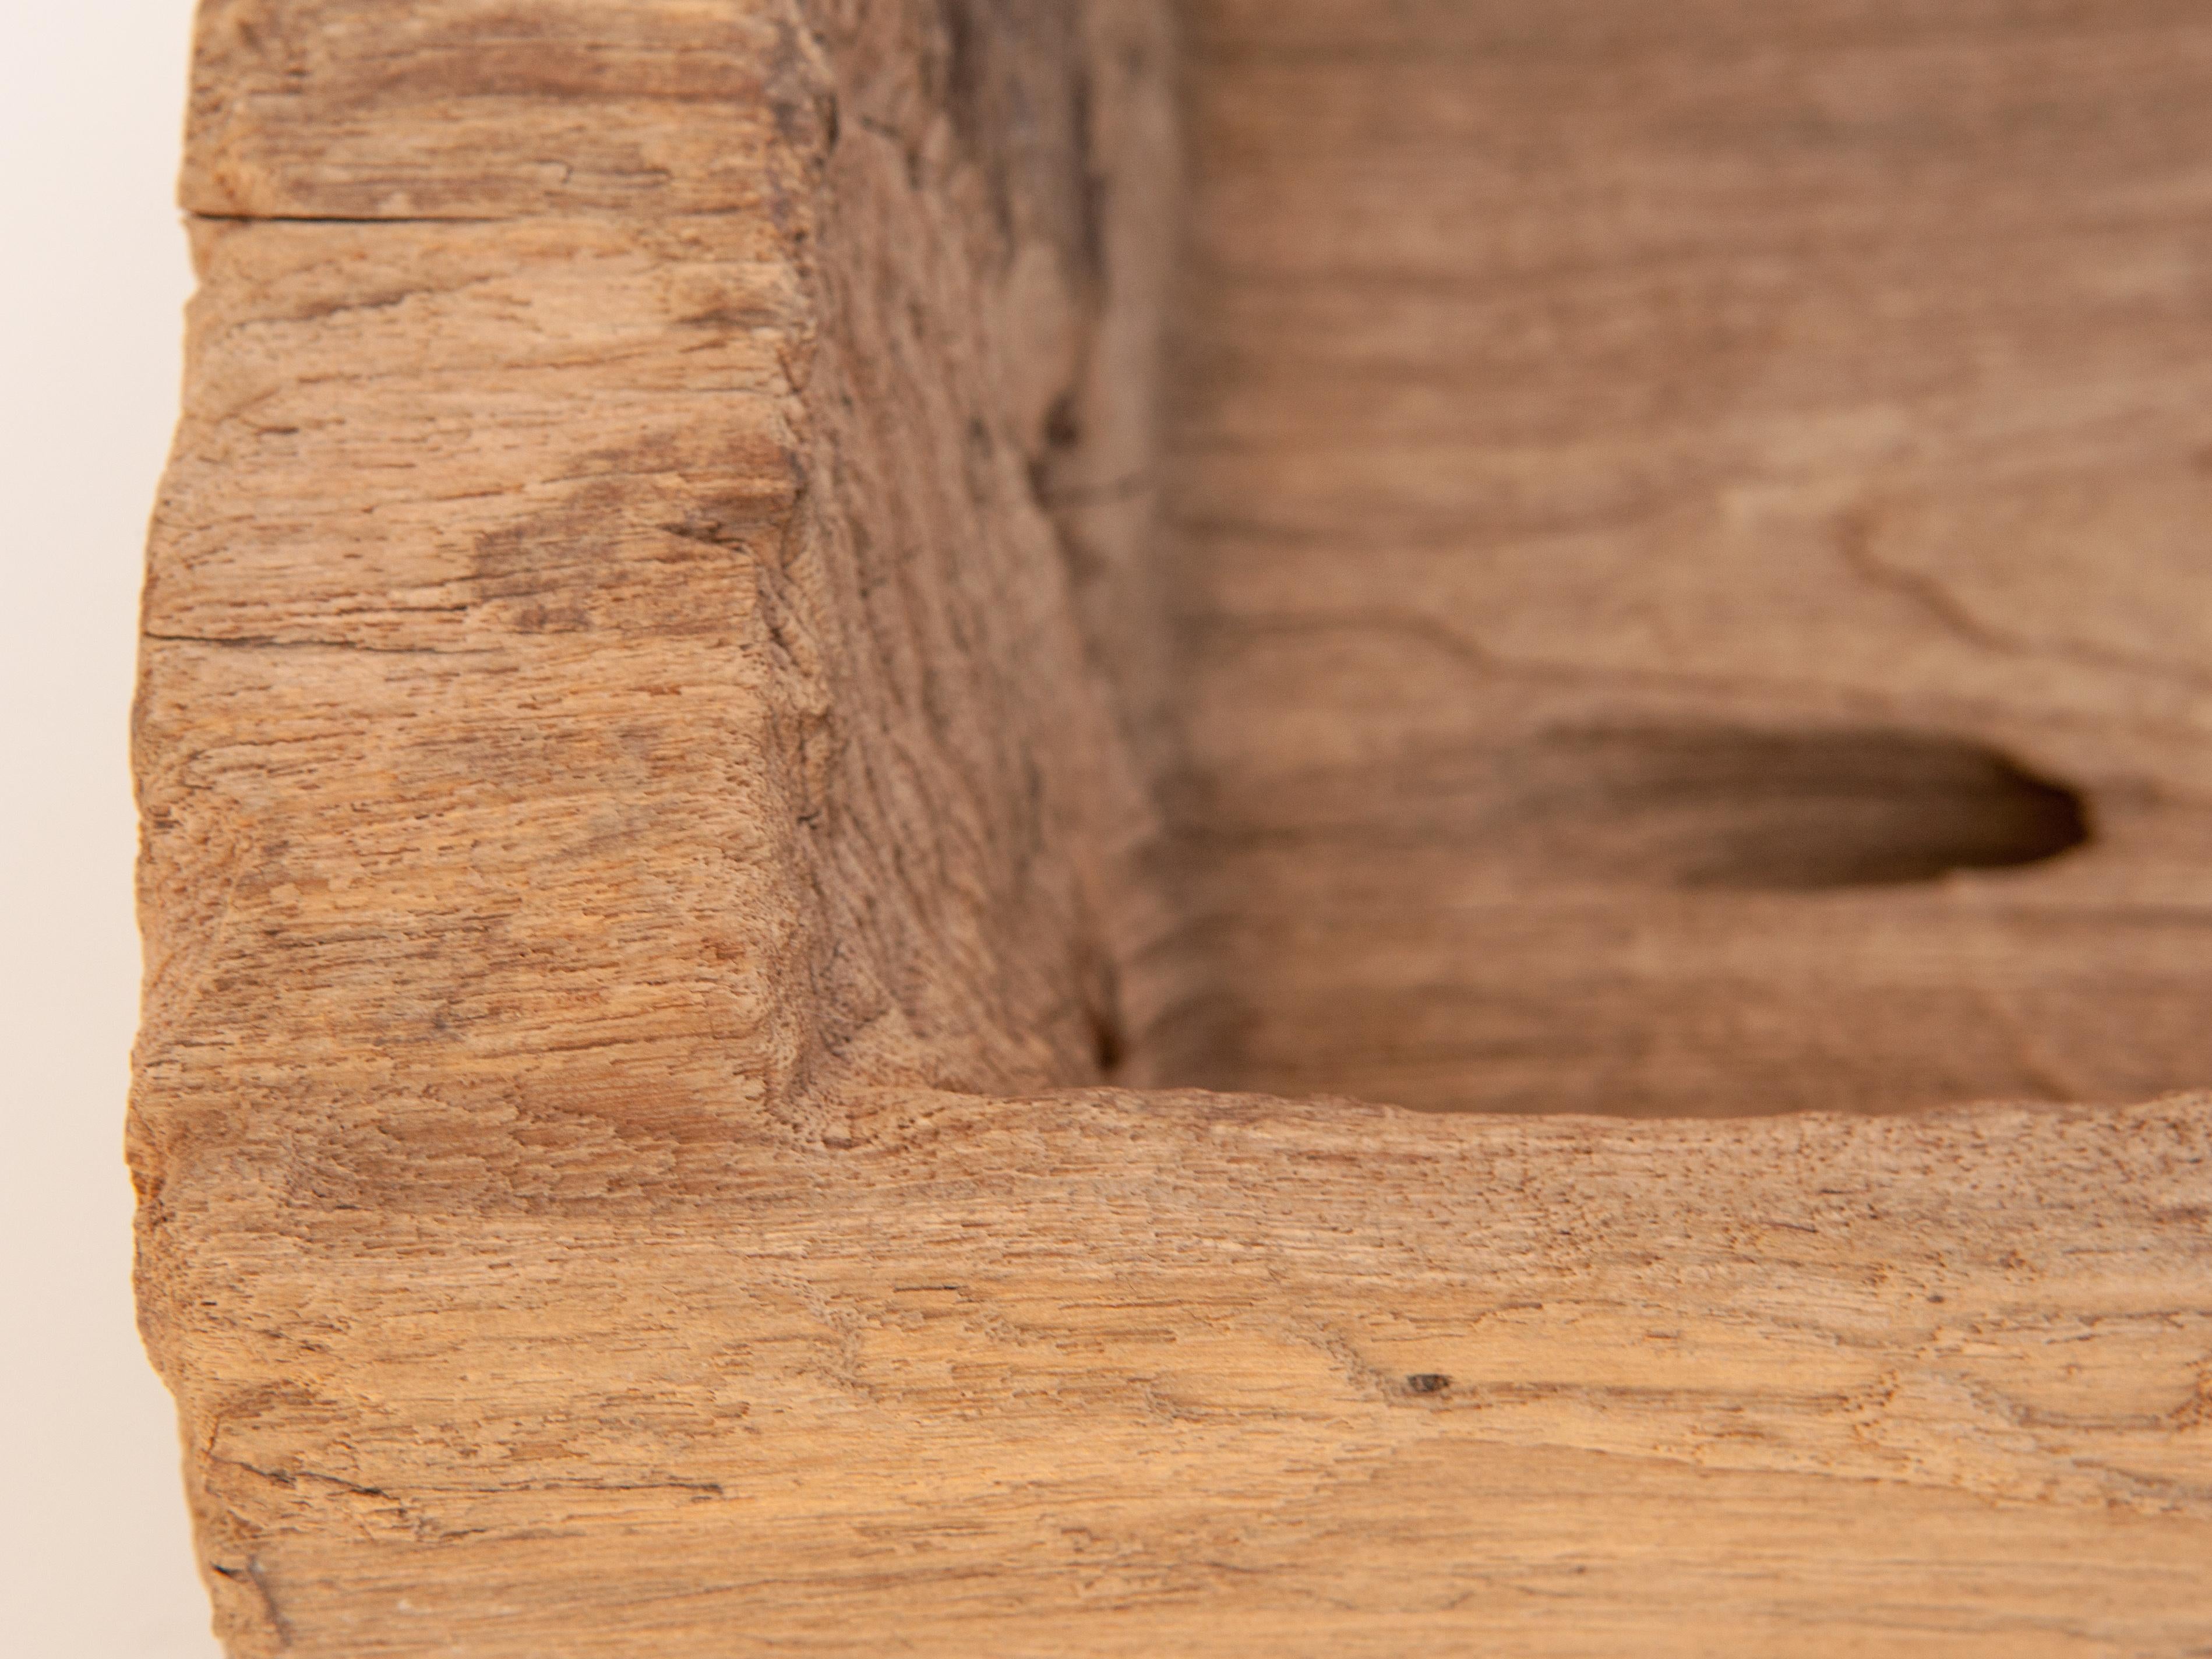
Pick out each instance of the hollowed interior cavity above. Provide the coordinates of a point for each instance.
(1679, 521)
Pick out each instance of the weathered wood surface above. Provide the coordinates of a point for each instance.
(1589, 403)
(653, 707)
(1131, 1374)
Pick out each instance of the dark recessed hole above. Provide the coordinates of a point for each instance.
(1106, 1044)
(1745, 808)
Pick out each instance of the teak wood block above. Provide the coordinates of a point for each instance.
(781, 628)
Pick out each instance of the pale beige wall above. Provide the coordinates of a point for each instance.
(94, 1562)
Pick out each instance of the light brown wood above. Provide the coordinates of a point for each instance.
(1131, 1374)
(773, 623)
(1632, 449)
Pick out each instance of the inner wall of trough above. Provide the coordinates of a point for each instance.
(1690, 529)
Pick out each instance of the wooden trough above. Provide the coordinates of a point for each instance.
(824, 680)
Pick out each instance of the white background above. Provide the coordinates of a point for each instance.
(95, 1561)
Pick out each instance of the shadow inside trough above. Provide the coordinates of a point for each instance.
(1730, 807)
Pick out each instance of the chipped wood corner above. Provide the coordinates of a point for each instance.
(727, 757)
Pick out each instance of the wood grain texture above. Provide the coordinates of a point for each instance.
(1574, 385)
(672, 793)
(1108, 1373)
